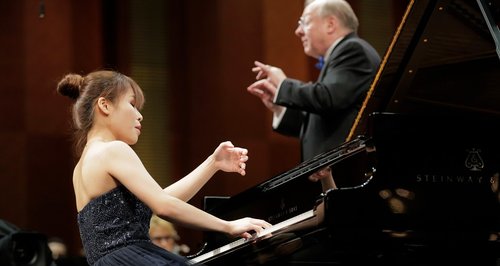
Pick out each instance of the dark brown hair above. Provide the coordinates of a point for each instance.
(86, 90)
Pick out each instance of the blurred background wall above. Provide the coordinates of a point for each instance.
(193, 60)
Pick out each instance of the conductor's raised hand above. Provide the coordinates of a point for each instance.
(273, 74)
(229, 158)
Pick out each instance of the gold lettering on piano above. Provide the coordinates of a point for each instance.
(473, 162)
(456, 179)
(283, 213)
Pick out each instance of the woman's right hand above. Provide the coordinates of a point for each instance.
(229, 158)
(242, 227)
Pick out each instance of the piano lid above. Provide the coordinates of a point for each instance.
(443, 59)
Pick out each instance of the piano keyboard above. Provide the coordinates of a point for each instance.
(296, 219)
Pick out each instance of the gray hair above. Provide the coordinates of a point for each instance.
(340, 9)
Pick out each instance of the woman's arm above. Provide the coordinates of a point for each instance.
(124, 165)
(226, 158)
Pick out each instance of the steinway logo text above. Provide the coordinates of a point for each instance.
(458, 179)
(473, 162)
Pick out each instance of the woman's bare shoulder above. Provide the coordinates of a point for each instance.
(92, 171)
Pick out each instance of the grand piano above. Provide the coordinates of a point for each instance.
(418, 175)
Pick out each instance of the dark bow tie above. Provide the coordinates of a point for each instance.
(321, 62)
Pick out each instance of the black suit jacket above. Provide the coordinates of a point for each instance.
(322, 113)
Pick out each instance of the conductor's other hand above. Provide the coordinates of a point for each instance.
(273, 74)
(321, 174)
(266, 91)
(325, 176)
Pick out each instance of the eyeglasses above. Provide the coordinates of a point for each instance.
(160, 238)
(301, 22)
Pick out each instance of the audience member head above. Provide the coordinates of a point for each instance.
(57, 247)
(163, 234)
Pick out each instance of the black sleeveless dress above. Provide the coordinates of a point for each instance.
(114, 228)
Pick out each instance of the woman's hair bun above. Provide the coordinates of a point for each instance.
(70, 86)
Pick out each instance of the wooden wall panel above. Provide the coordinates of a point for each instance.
(12, 177)
(37, 160)
(220, 53)
(215, 45)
